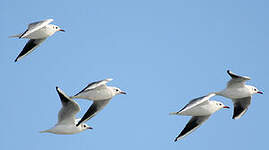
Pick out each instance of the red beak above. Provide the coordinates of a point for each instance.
(123, 92)
(62, 30)
(260, 92)
(226, 107)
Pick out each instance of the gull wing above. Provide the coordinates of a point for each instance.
(196, 102)
(94, 85)
(29, 47)
(67, 114)
(35, 26)
(236, 80)
(93, 110)
(194, 123)
(241, 106)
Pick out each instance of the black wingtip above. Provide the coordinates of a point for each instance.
(79, 122)
(57, 88)
(228, 71)
(175, 140)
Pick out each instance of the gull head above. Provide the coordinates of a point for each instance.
(84, 126)
(117, 91)
(254, 90)
(220, 105)
(55, 28)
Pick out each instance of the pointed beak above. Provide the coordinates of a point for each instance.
(226, 107)
(121, 92)
(62, 30)
(89, 127)
(260, 92)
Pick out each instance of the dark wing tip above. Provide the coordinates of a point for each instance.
(175, 140)
(229, 72)
(57, 88)
(79, 123)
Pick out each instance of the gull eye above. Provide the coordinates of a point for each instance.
(84, 126)
(117, 90)
(255, 89)
(56, 27)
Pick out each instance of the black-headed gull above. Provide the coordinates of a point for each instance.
(37, 32)
(100, 94)
(67, 117)
(200, 109)
(239, 92)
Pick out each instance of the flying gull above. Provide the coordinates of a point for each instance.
(200, 109)
(37, 32)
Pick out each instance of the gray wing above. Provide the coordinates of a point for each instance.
(197, 101)
(67, 115)
(94, 85)
(93, 110)
(236, 80)
(35, 26)
(194, 123)
(29, 47)
(241, 106)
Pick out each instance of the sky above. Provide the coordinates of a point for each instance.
(162, 53)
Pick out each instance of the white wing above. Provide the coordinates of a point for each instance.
(236, 80)
(35, 26)
(241, 106)
(29, 47)
(93, 110)
(196, 102)
(194, 123)
(67, 115)
(94, 85)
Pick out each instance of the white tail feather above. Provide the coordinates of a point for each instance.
(173, 113)
(15, 36)
(45, 131)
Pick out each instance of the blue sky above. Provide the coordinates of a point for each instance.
(162, 53)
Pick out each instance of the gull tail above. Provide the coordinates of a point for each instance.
(15, 36)
(174, 113)
(45, 131)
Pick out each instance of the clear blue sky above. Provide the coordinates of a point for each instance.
(162, 53)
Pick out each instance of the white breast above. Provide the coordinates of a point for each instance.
(41, 33)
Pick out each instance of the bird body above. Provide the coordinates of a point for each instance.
(200, 109)
(236, 92)
(239, 93)
(96, 94)
(100, 93)
(64, 129)
(204, 109)
(37, 32)
(67, 117)
(42, 33)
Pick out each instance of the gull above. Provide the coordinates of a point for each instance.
(37, 32)
(100, 94)
(200, 109)
(67, 117)
(239, 92)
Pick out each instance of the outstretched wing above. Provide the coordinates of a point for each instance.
(67, 114)
(197, 101)
(194, 123)
(241, 106)
(93, 110)
(236, 80)
(93, 85)
(29, 47)
(35, 26)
